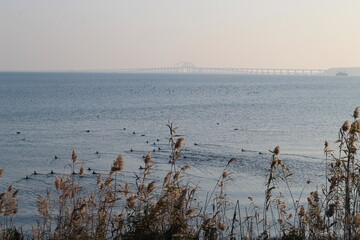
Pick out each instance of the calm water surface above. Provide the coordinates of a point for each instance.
(89, 112)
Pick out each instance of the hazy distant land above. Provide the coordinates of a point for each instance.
(352, 71)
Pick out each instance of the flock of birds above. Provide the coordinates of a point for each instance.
(27, 177)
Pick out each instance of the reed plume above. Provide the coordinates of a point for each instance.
(355, 127)
(74, 156)
(231, 161)
(147, 159)
(151, 187)
(346, 126)
(277, 150)
(356, 112)
(225, 174)
(326, 144)
(118, 164)
(43, 205)
(179, 143)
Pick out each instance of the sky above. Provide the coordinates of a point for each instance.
(42, 35)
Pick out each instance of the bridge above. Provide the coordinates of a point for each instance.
(188, 67)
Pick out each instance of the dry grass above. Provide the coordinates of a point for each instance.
(8, 210)
(169, 209)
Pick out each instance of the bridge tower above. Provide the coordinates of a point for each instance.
(185, 67)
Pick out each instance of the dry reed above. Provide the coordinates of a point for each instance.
(170, 210)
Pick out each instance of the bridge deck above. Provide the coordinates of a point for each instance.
(258, 71)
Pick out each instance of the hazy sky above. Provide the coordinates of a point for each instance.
(108, 34)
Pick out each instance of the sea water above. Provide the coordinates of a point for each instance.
(44, 116)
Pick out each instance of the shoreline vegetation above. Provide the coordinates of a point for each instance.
(169, 209)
